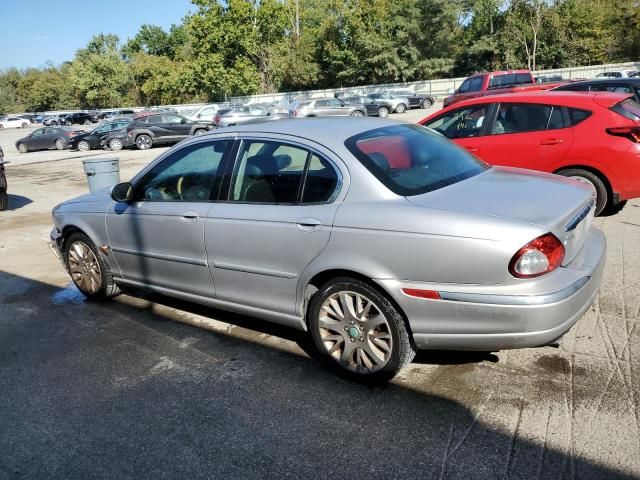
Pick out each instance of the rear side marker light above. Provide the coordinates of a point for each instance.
(632, 133)
(414, 292)
(541, 255)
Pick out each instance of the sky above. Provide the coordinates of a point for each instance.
(37, 31)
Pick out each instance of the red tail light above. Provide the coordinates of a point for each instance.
(632, 133)
(216, 119)
(541, 255)
(296, 112)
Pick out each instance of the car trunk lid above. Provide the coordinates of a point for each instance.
(562, 206)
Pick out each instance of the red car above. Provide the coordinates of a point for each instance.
(593, 137)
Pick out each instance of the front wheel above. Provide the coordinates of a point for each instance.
(200, 131)
(84, 146)
(22, 148)
(61, 144)
(357, 113)
(88, 270)
(357, 329)
(143, 142)
(426, 103)
(115, 144)
(24, 125)
(383, 112)
(401, 108)
(601, 194)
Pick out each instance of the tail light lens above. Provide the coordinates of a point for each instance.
(296, 112)
(541, 255)
(632, 133)
(129, 134)
(216, 119)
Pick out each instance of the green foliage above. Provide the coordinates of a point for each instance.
(241, 47)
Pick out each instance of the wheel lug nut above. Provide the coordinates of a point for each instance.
(351, 322)
(361, 329)
(353, 340)
(346, 329)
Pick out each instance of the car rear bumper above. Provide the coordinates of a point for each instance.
(464, 320)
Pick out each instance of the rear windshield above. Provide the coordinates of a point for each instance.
(628, 108)
(510, 79)
(411, 159)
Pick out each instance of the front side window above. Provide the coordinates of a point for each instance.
(152, 119)
(520, 118)
(192, 174)
(171, 118)
(412, 160)
(38, 132)
(461, 123)
(278, 173)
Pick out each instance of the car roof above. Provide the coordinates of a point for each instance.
(541, 96)
(322, 130)
(623, 80)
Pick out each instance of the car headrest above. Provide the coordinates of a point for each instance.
(380, 160)
(283, 161)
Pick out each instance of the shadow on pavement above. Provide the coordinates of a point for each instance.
(18, 201)
(121, 390)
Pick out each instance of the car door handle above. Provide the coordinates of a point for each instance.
(189, 217)
(309, 224)
(551, 141)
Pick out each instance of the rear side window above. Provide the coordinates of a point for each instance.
(577, 115)
(509, 79)
(412, 160)
(520, 118)
(629, 109)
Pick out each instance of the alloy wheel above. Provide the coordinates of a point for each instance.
(143, 142)
(84, 146)
(84, 267)
(354, 332)
(115, 144)
(383, 112)
(357, 113)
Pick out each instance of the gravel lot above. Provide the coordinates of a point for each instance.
(145, 386)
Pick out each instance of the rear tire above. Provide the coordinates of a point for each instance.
(88, 270)
(24, 125)
(115, 144)
(584, 176)
(357, 113)
(383, 112)
(87, 122)
(351, 343)
(401, 108)
(4, 201)
(84, 146)
(22, 148)
(200, 131)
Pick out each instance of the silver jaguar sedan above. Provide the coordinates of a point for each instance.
(377, 237)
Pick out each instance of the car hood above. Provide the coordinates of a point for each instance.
(548, 201)
(102, 196)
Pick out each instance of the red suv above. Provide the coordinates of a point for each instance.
(594, 138)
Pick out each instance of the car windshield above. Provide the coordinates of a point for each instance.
(412, 160)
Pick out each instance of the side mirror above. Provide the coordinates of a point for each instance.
(184, 120)
(451, 91)
(199, 115)
(122, 192)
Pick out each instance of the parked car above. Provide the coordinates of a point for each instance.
(79, 118)
(592, 137)
(416, 100)
(620, 74)
(163, 128)
(206, 113)
(4, 196)
(118, 113)
(398, 104)
(14, 122)
(345, 93)
(380, 108)
(46, 138)
(328, 107)
(549, 78)
(92, 140)
(344, 228)
(629, 86)
(242, 115)
(54, 120)
(495, 83)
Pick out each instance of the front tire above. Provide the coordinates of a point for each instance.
(357, 113)
(426, 103)
(84, 146)
(22, 148)
(24, 125)
(61, 144)
(88, 270)
(115, 144)
(401, 108)
(383, 112)
(200, 131)
(87, 122)
(589, 178)
(359, 331)
(143, 142)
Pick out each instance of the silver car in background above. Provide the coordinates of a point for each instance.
(376, 237)
(398, 104)
(246, 114)
(328, 107)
